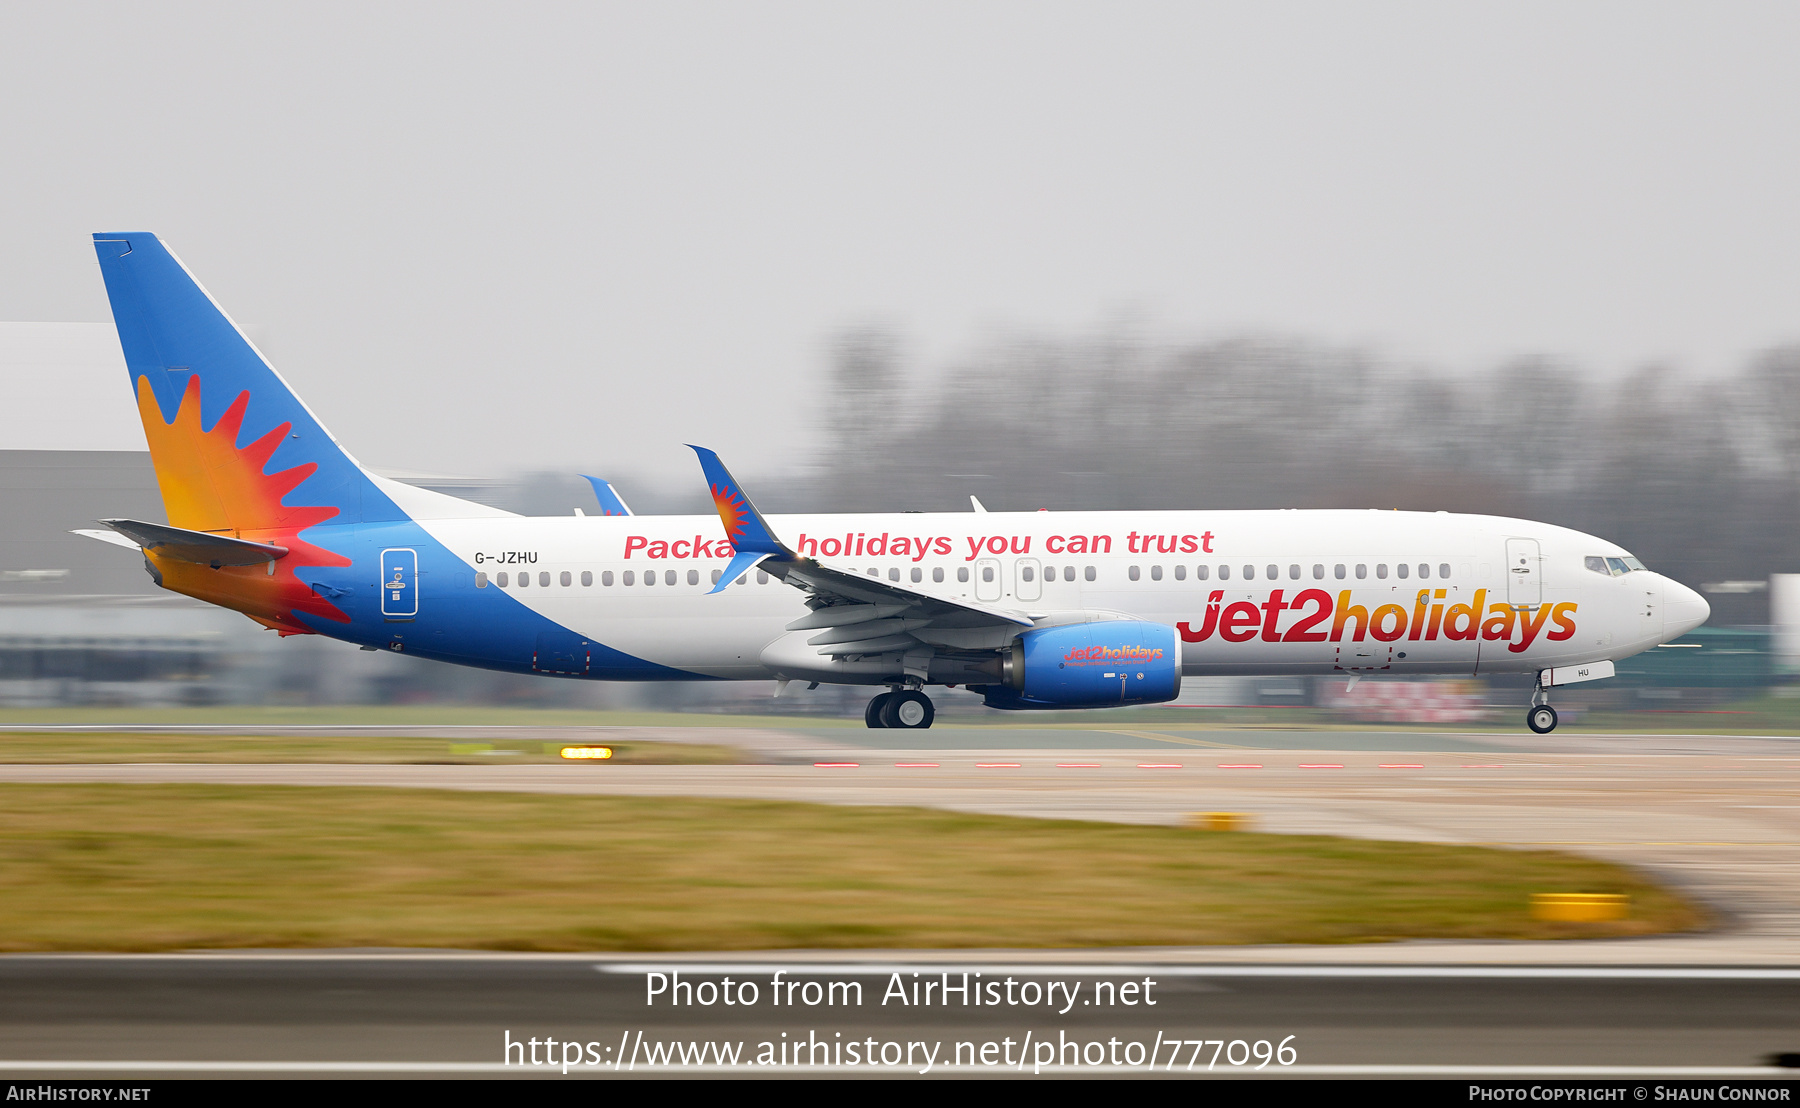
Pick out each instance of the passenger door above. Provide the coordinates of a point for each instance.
(1027, 583)
(1524, 573)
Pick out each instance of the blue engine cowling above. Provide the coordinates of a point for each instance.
(1090, 665)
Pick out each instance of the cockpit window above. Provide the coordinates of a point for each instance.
(1614, 567)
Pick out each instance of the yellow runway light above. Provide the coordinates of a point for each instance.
(587, 753)
(1219, 821)
(1579, 907)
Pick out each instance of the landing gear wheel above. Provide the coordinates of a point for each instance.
(911, 710)
(873, 713)
(1541, 719)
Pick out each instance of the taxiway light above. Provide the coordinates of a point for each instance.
(587, 753)
(1219, 821)
(1579, 907)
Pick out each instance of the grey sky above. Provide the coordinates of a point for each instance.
(584, 234)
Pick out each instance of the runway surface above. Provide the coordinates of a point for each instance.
(79, 1016)
(1717, 816)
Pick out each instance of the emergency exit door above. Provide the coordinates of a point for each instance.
(400, 583)
(1524, 573)
(987, 579)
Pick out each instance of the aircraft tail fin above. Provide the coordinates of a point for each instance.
(234, 448)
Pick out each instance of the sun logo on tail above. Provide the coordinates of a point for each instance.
(733, 511)
(209, 483)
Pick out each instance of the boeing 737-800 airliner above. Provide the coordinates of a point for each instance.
(268, 515)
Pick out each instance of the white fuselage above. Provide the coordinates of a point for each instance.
(1252, 592)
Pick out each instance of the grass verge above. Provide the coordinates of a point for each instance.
(164, 867)
(90, 748)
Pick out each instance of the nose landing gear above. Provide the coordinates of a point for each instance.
(904, 708)
(1540, 717)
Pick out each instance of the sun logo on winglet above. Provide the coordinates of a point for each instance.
(734, 512)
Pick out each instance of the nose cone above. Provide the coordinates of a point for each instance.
(1683, 609)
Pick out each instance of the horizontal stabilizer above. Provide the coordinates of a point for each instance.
(198, 547)
(111, 537)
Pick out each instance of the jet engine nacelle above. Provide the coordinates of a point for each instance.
(1090, 665)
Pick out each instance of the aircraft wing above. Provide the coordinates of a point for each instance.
(854, 614)
(866, 615)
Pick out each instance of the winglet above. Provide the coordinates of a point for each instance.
(745, 529)
(611, 503)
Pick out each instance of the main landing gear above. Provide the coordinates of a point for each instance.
(907, 708)
(1540, 717)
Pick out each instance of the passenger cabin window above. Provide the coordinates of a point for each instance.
(1338, 571)
(1201, 573)
(1293, 573)
(1181, 573)
(668, 577)
(566, 579)
(1132, 573)
(606, 578)
(1402, 569)
(917, 575)
(693, 577)
(649, 577)
(716, 574)
(937, 574)
(1273, 572)
(762, 578)
(1068, 573)
(1156, 573)
(1319, 571)
(587, 578)
(1249, 573)
(893, 574)
(1362, 571)
(1424, 570)
(1381, 572)
(1088, 572)
(524, 580)
(544, 579)
(1025, 573)
(1444, 570)
(987, 575)
(628, 577)
(481, 580)
(500, 579)
(1224, 573)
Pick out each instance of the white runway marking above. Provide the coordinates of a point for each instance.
(1671, 1072)
(1101, 969)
